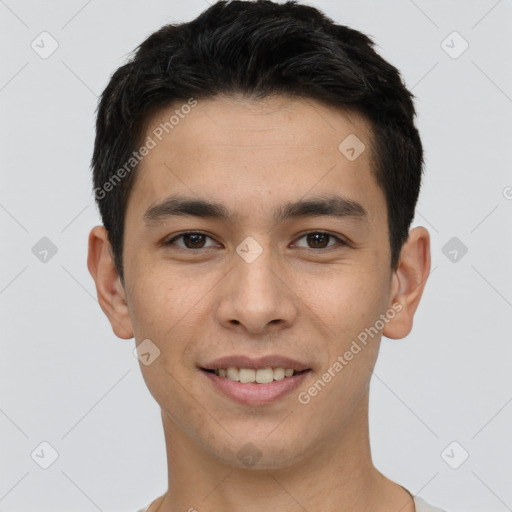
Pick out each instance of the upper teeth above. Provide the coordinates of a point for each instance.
(261, 376)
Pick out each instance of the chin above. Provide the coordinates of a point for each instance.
(257, 453)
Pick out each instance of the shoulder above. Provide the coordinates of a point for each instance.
(423, 506)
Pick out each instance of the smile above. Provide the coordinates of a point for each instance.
(250, 375)
(252, 387)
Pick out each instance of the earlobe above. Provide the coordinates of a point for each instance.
(409, 282)
(110, 291)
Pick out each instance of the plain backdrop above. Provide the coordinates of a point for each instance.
(438, 396)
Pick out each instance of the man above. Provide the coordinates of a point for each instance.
(257, 172)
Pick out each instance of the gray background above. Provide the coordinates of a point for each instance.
(67, 380)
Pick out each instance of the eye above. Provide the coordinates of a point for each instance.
(319, 239)
(191, 240)
(196, 240)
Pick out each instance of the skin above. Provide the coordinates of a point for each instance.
(295, 299)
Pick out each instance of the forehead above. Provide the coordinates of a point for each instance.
(253, 153)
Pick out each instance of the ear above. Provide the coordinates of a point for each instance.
(408, 282)
(110, 291)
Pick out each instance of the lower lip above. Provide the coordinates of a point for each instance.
(256, 394)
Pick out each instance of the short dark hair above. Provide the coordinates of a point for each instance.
(257, 49)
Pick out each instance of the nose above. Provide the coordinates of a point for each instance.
(256, 296)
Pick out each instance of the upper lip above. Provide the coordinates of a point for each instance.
(270, 361)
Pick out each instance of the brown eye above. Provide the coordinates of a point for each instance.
(194, 241)
(191, 240)
(319, 240)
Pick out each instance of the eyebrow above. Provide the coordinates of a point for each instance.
(323, 206)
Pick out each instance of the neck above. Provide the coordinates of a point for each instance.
(333, 476)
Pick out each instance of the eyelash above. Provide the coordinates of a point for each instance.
(181, 235)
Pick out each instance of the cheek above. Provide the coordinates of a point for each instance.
(349, 300)
(350, 307)
(145, 312)
(151, 303)
(164, 308)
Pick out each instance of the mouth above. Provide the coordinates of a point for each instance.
(254, 381)
(257, 376)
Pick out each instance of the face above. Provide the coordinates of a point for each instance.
(287, 270)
